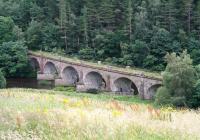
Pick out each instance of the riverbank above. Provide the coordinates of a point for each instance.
(49, 114)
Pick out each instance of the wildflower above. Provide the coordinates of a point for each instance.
(135, 108)
(168, 109)
(116, 113)
(65, 101)
(85, 101)
(38, 110)
(77, 104)
(116, 105)
(45, 111)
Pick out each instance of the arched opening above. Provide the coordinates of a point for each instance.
(94, 80)
(125, 86)
(70, 76)
(152, 91)
(50, 68)
(34, 64)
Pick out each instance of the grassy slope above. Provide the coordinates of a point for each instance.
(69, 91)
(43, 114)
(75, 60)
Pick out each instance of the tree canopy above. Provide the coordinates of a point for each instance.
(113, 31)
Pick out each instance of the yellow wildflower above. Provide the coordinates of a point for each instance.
(66, 101)
(116, 113)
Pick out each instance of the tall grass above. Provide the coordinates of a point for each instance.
(40, 114)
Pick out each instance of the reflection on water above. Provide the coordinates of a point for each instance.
(29, 83)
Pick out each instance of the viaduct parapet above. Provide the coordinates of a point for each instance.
(86, 77)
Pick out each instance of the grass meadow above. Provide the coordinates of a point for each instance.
(66, 115)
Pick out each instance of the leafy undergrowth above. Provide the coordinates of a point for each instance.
(43, 114)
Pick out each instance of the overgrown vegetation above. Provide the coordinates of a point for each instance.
(137, 33)
(180, 82)
(43, 114)
(103, 96)
(14, 52)
(2, 80)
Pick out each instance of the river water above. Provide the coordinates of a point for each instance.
(29, 83)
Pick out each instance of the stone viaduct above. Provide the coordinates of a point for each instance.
(86, 77)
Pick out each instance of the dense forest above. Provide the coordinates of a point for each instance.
(152, 34)
(137, 33)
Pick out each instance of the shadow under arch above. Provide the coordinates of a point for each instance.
(50, 68)
(125, 86)
(34, 64)
(70, 76)
(152, 91)
(95, 80)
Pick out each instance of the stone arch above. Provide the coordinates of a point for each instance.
(70, 76)
(50, 68)
(34, 64)
(94, 80)
(125, 85)
(152, 91)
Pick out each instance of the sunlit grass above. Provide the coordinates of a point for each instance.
(44, 114)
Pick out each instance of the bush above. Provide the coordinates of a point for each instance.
(93, 91)
(179, 101)
(179, 79)
(194, 102)
(197, 71)
(87, 53)
(2, 80)
(162, 96)
(14, 59)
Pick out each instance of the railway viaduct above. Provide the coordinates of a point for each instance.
(86, 77)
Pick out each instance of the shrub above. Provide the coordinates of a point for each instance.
(93, 91)
(179, 79)
(162, 96)
(86, 53)
(179, 101)
(2, 80)
(194, 101)
(14, 59)
(197, 68)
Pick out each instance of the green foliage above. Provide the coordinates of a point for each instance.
(134, 54)
(194, 46)
(6, 29)
(2, 80)
(34, 35)
(179, 78)
(136, 33)
(68, 88)
(93, 91)
(162, 96)
(45, 82)
(130, 32)
(194, 101)
(160, 44)
(86, 53)
(197, 68)
(14, 59)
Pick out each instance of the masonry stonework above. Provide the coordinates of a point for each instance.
(86, 77)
